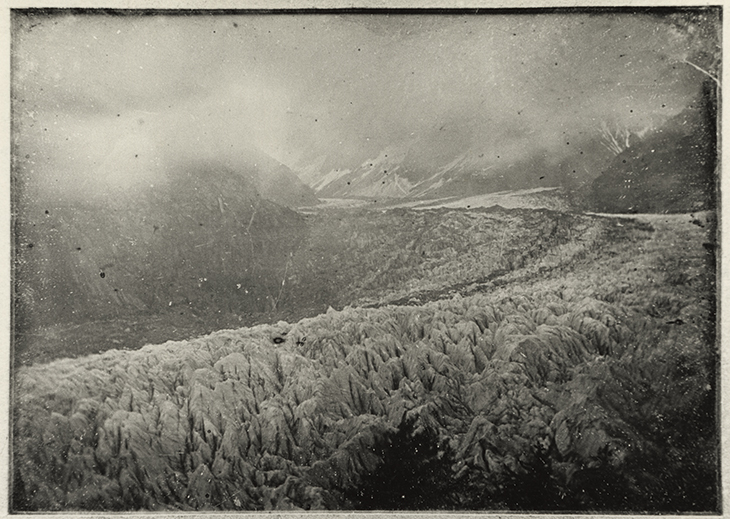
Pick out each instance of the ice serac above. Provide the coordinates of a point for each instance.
(489, 397)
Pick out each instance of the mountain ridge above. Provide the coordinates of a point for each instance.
(672, 169)
(396, 172)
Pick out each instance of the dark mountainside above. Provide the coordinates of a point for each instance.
(273, 180)
(671, 170)
(204, 241)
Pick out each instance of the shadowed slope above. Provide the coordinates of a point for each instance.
(205, 237)
(671, 170)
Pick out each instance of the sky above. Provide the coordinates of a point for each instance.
(107, 102)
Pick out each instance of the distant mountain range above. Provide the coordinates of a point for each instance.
(667, 168)
(397, 172)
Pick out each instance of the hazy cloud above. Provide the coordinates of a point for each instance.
(94, 94)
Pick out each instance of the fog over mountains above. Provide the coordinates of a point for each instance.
(682, 150)
(105, 102)
(124, 126)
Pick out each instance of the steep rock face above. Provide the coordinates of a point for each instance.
(204, 236)
(671, 170)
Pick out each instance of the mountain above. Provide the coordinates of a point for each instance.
(204, 237)
(398, 172)
(668, 166)
(673, 169)
(273, 180)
